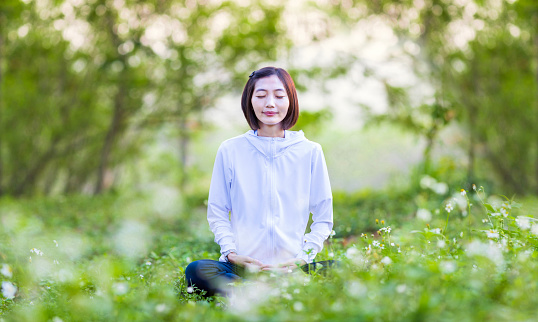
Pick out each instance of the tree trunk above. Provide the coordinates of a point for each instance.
(472, 108)
(1, 105)
(20, 186)
(427, 154)
(535, 25)
(504, 171)
(112, 133)
(183, 151)
(118, 113)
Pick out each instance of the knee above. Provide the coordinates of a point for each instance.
(191, 272)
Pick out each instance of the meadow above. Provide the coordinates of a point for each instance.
(434, 253)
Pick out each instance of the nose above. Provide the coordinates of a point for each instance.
(270, 101)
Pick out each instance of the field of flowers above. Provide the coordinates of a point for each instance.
(456, 255)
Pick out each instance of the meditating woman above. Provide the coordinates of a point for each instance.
(265, 184)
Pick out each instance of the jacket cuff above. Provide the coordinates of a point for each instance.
(226, 253)
(226, 248)
(226, 244)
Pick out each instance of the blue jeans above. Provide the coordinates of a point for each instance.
(212, 276)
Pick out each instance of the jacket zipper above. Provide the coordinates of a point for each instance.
(273, 197)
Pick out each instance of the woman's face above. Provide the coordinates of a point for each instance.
(270, 101)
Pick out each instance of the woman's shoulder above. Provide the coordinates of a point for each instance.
(305, 142)
(233, 142)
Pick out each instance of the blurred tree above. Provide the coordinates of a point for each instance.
(40, 124)
(313, 122)
(8, 9)
(88, 83)
(527, 14)
(211, 52)
(478, 58)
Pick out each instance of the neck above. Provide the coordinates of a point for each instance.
(274, 131)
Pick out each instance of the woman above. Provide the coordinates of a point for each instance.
(265, 184)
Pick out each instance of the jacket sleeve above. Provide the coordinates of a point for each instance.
(219, 204)
(321, 207)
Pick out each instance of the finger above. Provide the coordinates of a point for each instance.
(255, 262)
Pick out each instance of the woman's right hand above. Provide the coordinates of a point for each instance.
(245, 261)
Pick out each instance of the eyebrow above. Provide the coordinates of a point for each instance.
(262, 89)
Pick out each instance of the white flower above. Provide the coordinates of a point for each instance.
(440, 188)
(190, 289)
(504, 212)
(534, 229)
(148, 263)
(506, 205)
(441, 244)
(492, 233)
(436, 230)
(8, 290)
(298, 306)
(463, 193)
(487, 250)
(386, 260)
(424, 214)
(6, 270)
(523, 223)
(55, 243)
(36, 251)
(160, 308)
(474, 187)
(449, 207)
(332, 233)
(331, 254)
(385, 229)
(447, 267)
(355, 289)
(375, 243)
(351, 251)
(427, 182)
(120, 288)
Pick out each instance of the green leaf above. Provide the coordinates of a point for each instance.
(489, 207)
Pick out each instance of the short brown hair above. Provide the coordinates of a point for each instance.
(246, 99)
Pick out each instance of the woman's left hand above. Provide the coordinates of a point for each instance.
(285, 267)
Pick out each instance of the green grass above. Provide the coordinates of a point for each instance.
(121, 257)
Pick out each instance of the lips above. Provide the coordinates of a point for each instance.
(269, 113)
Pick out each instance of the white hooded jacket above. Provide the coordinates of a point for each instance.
(262, 192)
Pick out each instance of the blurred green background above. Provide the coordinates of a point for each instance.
(111, 113)
(124, 95)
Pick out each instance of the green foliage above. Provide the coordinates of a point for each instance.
(313, 122)
(83, 88)
(481, 60)
(395, 270)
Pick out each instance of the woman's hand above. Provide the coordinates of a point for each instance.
(245, 261)
(285, 267)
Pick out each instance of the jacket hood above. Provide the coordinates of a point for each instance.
(263, 144)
